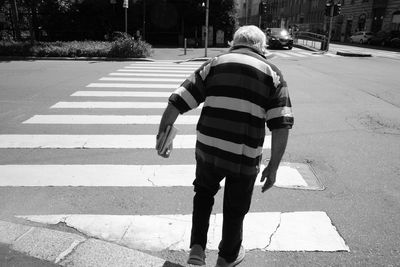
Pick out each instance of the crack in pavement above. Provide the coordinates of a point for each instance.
(276, 229)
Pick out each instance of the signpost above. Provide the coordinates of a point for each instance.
(125, 5)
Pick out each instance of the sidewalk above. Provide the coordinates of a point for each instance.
(39, 246)
(178, 54)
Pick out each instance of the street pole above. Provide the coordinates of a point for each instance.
(330, 25)
(206, 39)
(125, 6)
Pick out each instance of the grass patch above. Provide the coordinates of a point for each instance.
(120, 48)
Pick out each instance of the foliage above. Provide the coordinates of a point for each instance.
(120, 48)
(126, 46)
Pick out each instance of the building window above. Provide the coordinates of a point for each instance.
(396, 21)
(361, 22)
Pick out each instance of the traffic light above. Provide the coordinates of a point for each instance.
(263, 8)
(337, 9)
(328, 7)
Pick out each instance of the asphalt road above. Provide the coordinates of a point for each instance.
(347, 127)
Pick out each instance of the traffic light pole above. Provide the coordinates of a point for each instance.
(330, 27)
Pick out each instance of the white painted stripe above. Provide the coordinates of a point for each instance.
(90, 141)
(280, 54)
(106, 119)
(120, 175)
(156, 71)
(171, 86)
(121, 94)
(158, 63)
(162, 68)
(110, 104)
(270, 231)
(295, 54)
(148, 75)
(95, 141)
(142, 79)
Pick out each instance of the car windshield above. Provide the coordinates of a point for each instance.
(279, 31)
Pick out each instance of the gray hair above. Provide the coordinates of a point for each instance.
(250, 36)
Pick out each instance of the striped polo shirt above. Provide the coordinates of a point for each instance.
(241, 92)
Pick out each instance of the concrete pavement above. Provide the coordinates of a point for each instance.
(70, 249)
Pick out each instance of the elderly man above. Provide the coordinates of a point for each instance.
(241, 92)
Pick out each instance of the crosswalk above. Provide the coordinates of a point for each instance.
(297, 53)
(145, 86)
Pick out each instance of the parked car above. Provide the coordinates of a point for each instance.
(279, 37)
(383, 38)
(361, 37)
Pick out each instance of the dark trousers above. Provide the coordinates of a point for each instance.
(237, 199)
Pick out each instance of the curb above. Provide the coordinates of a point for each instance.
(350, 54)
(68, 249)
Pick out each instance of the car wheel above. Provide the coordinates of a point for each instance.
(361, 41)
(290, 47)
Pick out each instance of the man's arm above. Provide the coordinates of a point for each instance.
(278, 147)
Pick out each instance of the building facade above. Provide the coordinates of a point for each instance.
(308, 15)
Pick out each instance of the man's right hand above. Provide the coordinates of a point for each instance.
(269, 174)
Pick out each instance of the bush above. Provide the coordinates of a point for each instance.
(129, 47)
(123, 47)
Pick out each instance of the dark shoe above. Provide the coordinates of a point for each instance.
(221, 262)
(197, 255)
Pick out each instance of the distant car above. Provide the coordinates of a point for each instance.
(361, 37)
(279, 37)
(386, 39)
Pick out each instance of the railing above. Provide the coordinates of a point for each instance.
(310, 39)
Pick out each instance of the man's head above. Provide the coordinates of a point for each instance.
(250, 36)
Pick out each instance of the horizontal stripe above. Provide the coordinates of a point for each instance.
(120, 94)
(155, 71)
(120, 175)
(235, 104)
(141, 79)
(148, 75)
(94, 141)
(92, 105)
(89, 141)
(187, 97)
(106, 119)
(270, 231)
(112, 104)
(279, 112)
(161, 68)
(167, 64)
(238, 149)
(135, 85)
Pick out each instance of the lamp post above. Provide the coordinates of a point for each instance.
(206, 31)
(125, 6)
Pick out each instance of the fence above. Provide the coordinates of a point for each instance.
(310, 39)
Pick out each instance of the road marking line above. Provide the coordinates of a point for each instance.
(95, 141)
(155, 71)
(270, 231)
(107, 119)
(104, 175)
(141, 79)
(280, 54)
(171, 86)
(149, 75)
(120, 94)
(169, 64)
(160, 68)
(113, 105)
(295, 54)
